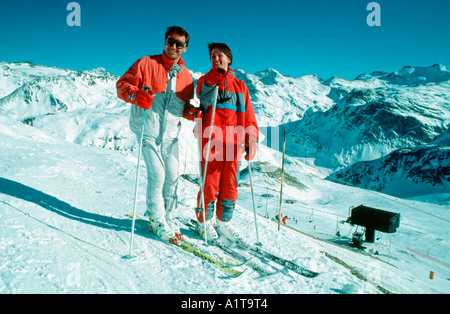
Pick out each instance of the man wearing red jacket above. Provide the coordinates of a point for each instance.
(163, 86)
(235, 129)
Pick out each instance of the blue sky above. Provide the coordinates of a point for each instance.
(325, 37)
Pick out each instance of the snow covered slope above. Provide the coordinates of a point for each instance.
(63, 206)
(64, 230)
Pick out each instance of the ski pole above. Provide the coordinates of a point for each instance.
(137, 180)
(282, 177)
(203, 176)
(253, 199)
(202, 199)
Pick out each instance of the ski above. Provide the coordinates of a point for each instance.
(265, 254)
(279, 260)
(233, 253)
(252, 264)
(224, 259)
(205, 255)
(231, 272)
(230, 261)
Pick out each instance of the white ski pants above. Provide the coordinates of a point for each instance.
(161, 162)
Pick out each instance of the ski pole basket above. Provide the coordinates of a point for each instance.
(374, 219)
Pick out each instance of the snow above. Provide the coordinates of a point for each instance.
(67, 185)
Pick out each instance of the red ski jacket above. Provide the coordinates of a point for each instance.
(234, 111)
(152, 71)
(172, 88)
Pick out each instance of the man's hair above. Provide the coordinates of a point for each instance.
(178, 30)
(222, 47)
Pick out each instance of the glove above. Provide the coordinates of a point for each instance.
(191, 113)
(216, 76)
(250, 150)
(143, 99)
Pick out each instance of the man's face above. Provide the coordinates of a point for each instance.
(172, 51)
(219, 59)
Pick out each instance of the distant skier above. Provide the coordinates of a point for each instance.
(170, 88)
(235, 130)
(284, 219)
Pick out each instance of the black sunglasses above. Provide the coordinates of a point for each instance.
(171, 41)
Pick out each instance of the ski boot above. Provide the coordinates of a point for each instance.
(160, 228)
(211, 233)
(226, 229)
(174, 225)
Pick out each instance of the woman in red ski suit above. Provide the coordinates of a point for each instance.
(235, 130)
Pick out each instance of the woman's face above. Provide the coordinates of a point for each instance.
(218, 58)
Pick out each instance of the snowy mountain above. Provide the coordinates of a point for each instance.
(423, 169)
(280, 99)
(81, 107)
(410, 75)
(63, 205)
(330, 123)
(369, 121)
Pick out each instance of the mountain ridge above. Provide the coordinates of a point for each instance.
(331, 123)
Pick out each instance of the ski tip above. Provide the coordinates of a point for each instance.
(237, 273)
(310, 274)
(128, 257)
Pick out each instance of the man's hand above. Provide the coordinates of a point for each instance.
(144, 99)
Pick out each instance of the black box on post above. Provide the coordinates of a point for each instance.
(375, 219)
